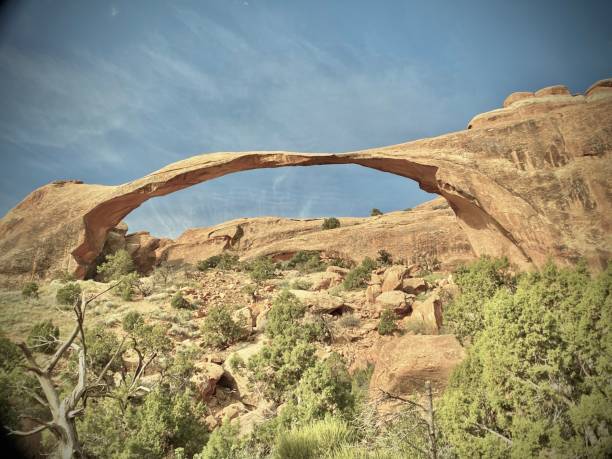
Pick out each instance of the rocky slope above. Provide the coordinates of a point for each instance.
(530, 181)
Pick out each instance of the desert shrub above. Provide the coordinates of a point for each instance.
(374, 212)
(387, 324)
(126, 288)
(179, 302)
(68, 294)
(44, 337)
(325, 388)
(261, 269)
(279, 366)
(306, 261)
(64, 276)
(341, 262)
(301, 284)
(249, 290)
(223, 443)
(116, 266)
(314, 440)
(349, 321)
(538, 371)
(132, 321)
(225, 262)
(286, 311)
(384, 258)
(330, 223)
(219, 329)
(477, 283)
(357, 278)
(30, 290)
(101, 346)
(161, 423)
(416, 327)
(162, 273)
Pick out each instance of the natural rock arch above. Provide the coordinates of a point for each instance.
(529, 181)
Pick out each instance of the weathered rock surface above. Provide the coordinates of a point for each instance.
(402, 365)
(529, 181)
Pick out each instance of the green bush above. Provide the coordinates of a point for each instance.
(387, 324)
(43, 337)
(374, 212)
(261, 269)
(225, 262)
(384, 258)
(306, 261)
(69, 294)
(325, 388)
(301, 284)
(101, 346)
(279, 366)
(179, 302)
(285, 312)
(219, 329)
(30, 290)
(132, 321)
(116, 266)
(64, 276)
(477, 283)
(223, 443)
(126, 288)
(358, 277)
(538, 371)
(330, 223)
(161, 423)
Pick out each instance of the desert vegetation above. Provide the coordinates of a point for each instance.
(143, 373)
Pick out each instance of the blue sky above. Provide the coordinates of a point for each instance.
(106, 92)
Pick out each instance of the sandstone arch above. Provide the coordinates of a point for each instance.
(529, 181)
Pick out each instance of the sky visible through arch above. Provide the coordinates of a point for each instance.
(107, 92)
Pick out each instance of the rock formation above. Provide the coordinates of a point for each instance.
(430, 228)
(530, 181)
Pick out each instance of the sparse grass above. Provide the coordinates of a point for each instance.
(349, 321)
(300, 284)
(416, 327)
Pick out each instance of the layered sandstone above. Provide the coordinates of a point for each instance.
(430, 229)
(530, 181)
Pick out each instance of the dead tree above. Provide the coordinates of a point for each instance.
(427, 416)
(63, 412)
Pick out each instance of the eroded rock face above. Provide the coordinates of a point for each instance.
(529, 181)
(403, 365)
(431, 227)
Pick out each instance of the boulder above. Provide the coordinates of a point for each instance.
(414, 285)
(395, 300)
(426, 316)
(404, 364)
(206, 377)
(324, 280)
(319, 302)
(232, 411)
(393, 277)
(238, 377)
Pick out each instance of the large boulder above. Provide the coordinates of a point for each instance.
(404, 364)
(372, 292)
(414, 285)
(206, 377)
(393, 278)
(398, 301)
(320, 302)
(426, 316)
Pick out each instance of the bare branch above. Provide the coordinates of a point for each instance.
(497, 434)
(21, 433)
(401, 399)
(110, 362)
